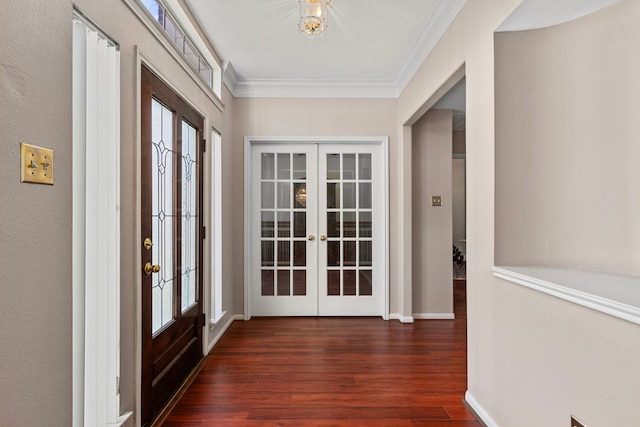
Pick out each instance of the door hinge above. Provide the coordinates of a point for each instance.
(117, 385)
(204, 232)
(204, 144)
(203, 320)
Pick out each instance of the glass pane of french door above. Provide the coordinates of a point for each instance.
(284, 218)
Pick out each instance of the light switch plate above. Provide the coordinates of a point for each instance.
(36, 164)
(436, 200)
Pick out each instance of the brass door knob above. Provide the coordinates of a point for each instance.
(312, 237)
(323, 237)
(149, 268)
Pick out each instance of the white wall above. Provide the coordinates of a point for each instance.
(318, 117)
(432, 290)
(533, 360)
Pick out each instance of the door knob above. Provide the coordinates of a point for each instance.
(149, 268)
(312, 237)
(323, 237)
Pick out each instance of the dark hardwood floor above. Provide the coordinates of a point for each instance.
(356, 372)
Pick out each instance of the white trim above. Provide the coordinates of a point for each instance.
(479, 410)
(96, 227)
(249, 141)
(434, 316)
(443, 15)
(161, 36)
(616, 295)
(223, 329)
(215, 227)
(401, 318)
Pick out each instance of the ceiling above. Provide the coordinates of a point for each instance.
(371, 48)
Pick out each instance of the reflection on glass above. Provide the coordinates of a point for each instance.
(366, 283)
(268, 166)
(365, 253)
(349, 253)
(365, 195)
(333, 224)
(299, 224)
(284, 166)
(299, 282)
(299, 166)
(300, 253)
(284, 257)
(365, 224)
(349, 224)
(267, 253)
(284, 224)
(299, 195)
(349, 285)
(333, 282)
(284, 195)
(284, 280)
(333, 254)
(349, 166)
(267, 283)
(364, 167)
(267, 224)
(333, 166)
(267, 195)
(349, 191)
(333, 196)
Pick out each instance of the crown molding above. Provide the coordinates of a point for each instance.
(443, 15)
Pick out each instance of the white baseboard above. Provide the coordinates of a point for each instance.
(402, 319)
(222, 330)
(479, 410)
(434, 316)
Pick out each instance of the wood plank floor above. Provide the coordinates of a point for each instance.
(356, 372)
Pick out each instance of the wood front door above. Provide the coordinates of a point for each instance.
(171, 224)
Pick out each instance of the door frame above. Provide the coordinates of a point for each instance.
(250, 141)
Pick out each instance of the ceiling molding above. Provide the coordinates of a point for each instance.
(439, 21)
(441, 18)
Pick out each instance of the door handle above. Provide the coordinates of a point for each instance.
(323, 237)
(148, 268)
(312, 237)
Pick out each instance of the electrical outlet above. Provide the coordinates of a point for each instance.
(576, 423)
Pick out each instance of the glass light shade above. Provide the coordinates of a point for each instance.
(313, 17)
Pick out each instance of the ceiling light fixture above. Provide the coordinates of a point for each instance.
(313, 17)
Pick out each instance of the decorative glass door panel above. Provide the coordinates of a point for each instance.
(352, 258)
(315, 250)
(285, 279)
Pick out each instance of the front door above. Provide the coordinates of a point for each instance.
(171, 224)
(318, 245)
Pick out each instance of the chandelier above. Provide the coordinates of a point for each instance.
(313, 17)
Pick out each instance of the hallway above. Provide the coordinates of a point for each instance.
(333, 372)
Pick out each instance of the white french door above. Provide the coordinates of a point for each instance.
(317, 229)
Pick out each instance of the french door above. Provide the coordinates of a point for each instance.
(318, 239)
(171, 225)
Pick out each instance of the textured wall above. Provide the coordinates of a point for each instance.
(320, 117)
(35, 220)
(567, 102)
(432, 225)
